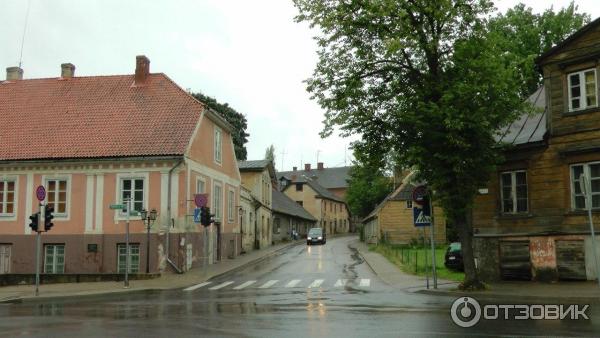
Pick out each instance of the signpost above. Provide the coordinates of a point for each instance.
(423, 217)
(40, 193)
(586, 190)
(126, 207)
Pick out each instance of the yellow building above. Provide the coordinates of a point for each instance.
(330, 210)
(392, 220)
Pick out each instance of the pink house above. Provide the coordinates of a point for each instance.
(94, 140)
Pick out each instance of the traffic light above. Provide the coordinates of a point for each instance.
(34, 221)
(205, 216)
(48, 218)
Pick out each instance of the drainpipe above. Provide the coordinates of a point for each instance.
(171, 219)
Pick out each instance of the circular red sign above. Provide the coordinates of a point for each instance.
(418, 194)
(40, 193)
(201, 200)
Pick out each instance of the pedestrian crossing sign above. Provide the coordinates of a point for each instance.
(422, 214)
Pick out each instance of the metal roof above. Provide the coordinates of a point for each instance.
(329, 178)
(529, 127)
(285, 205)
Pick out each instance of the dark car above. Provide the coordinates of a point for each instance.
(316, 235)
(454, 259)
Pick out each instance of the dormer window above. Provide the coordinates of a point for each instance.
(582, 90)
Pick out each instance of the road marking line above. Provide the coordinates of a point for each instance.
(340, 283)
(293, 283)
(316, 283)
(365, 282)
(241, 286)
(222, 285)
(197, 286)
(268, 284)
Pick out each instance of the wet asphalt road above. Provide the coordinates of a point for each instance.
(317, 291)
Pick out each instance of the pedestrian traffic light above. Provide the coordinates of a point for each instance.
(205, 216)
(34, 221)
(48, 218)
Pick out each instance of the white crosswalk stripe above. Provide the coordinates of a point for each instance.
(268, 284)
(197, 286)
(364, 282)
(340, 283)
(316, 283)
(293, 283)
(222, 285)
(241, 286)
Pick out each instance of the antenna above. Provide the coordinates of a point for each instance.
(24, 30)
(318, 151)
(282, 155)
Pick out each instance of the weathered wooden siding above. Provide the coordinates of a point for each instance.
(396, 222)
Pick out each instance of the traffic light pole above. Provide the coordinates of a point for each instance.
(38, 248)
(127, 244)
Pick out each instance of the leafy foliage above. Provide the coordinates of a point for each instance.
(237, 120)
(367, 187)
(270, 153)
(429, 80)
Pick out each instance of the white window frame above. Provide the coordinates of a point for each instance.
(66, 215)
(513, 177)
(587, 174)
(582, 90)
(54, 258)
(218, 212)
(218, 145)
(10, 216)
(230, 205)
(198, 181)
(132, 267)
(119, 214)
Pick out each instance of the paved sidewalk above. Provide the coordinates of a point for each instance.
(561, 292)
(21, 293)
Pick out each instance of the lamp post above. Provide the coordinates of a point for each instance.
(148, 217)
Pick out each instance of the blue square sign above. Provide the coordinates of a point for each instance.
(197, 215)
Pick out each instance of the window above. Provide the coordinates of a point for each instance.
(134, 257)
(54, 258)
(218, 145)
(276, 225)
(7, 198)
(514, 192)
(298, 186)
(200, 186)
(230, 206)
(57, 195)
(133, 188)
(409, 204)
(217, 201)
(591, 172)
(300, 202)
(582, 90)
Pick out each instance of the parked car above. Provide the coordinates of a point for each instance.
(316, 235)
(453, 259)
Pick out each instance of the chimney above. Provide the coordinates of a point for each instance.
(142, 69)
(306, 166)
(67, 70)
(320, 165)
(295, 168)
(14, 74)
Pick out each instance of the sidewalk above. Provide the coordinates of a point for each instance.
(26, 293)
(561, 292)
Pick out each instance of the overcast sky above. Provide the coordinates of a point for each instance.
(250, 54)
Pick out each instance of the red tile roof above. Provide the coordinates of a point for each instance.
(94, 117)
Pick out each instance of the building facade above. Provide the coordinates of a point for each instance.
(289, 216)
(98, 140)
(530, 222)
(259, 178)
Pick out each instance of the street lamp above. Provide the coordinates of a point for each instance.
(148, 217)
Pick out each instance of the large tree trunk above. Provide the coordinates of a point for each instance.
(465, 232)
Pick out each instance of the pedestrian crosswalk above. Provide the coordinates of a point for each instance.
(273, 283)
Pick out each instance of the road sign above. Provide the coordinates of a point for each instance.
(421, 219)
(201, 200)
(197, 215)
(418, 194)
(40, 193)
(117, 207)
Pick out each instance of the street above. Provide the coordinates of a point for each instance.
(314, 291)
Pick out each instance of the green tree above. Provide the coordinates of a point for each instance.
(270, 153)
(525, 35)
(420, 77)
(237, 120)
(367, 187)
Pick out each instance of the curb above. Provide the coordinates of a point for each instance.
(91, 295)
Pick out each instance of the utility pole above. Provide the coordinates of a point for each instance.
(282, 156)
(318, 152)
(586, 189)
(128, 201)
